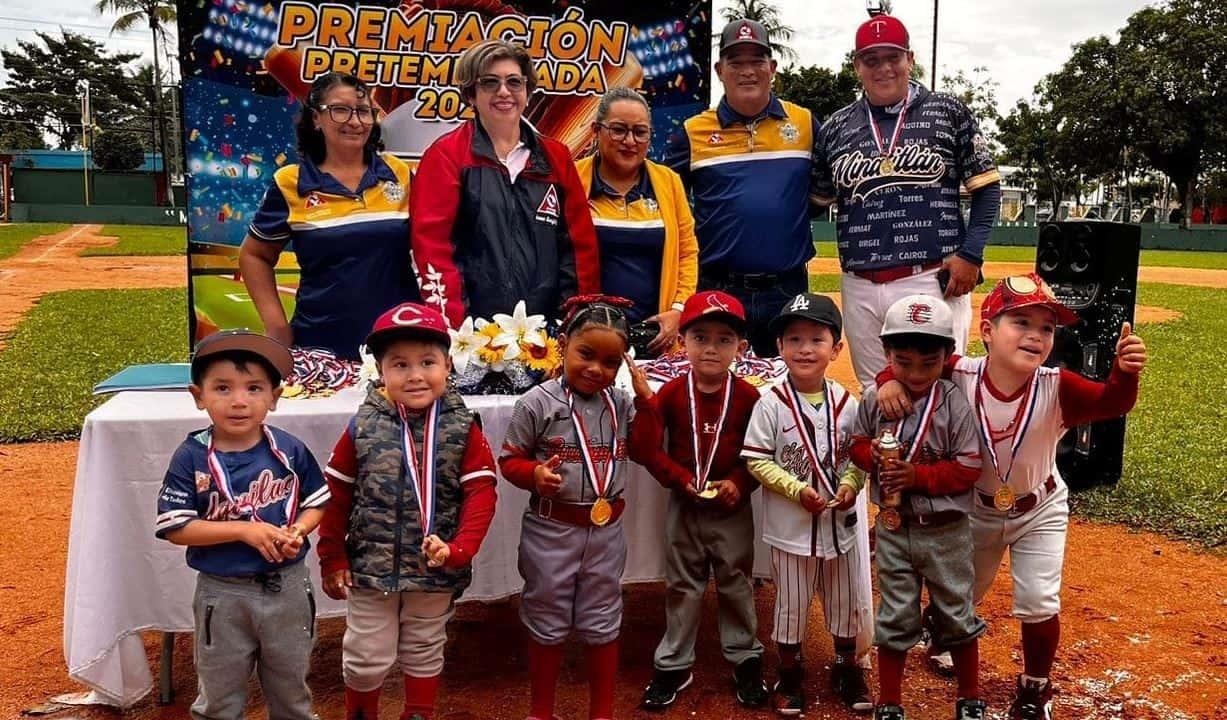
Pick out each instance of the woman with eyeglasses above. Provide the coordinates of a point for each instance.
(499, 213)
(345, 207)
(643, 223)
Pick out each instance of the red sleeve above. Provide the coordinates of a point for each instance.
(947, 477)
(647, 440)
(947, 372)
(517, 466)
(862, 452)
(434, 202)
(580, 227)
(477, 507)
(1083, 400)
(341, 471)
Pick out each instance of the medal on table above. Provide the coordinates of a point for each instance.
(821, 470)
(886, 155)
(1004, 497)
(702, 465)
(422, 473)
(602, 511)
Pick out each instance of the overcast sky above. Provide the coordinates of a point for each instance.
(1019, 41)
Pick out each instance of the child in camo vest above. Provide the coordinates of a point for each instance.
(413, 481)
(566, 445)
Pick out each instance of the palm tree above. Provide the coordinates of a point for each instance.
(157, 14)
(778, 34)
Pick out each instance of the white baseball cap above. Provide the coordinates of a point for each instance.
(920, 314)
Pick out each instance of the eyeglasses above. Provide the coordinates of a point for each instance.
(491, 83)
(342, 113)
(618, 132)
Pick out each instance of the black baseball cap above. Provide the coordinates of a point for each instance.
(743, 32)
(276, 355)
(809, 306)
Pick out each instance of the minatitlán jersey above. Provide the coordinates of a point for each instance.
(904, 211)
(253, 483)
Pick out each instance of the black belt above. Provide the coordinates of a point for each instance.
(746, 281)
(933, 519)
(1023, 504)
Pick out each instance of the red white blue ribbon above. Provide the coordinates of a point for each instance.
(821, 470)
(877, 132)
(702, 465)
(600, 481)
(222, 480)
(422, 472)
(922, 427)
(1028, 401)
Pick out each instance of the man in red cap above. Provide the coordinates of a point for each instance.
(747, 163)
(894, 162)
(710, 527)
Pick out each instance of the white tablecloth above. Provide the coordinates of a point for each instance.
(122, 580)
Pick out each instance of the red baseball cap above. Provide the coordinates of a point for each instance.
(882, 31)
(713, 305)
(410, 319)
(1019, 291)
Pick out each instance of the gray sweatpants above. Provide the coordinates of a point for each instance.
(937, 558)
(702, 539)
(243, 625)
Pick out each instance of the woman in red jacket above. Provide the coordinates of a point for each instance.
(499, 212)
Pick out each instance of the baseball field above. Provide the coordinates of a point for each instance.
(1145, 591)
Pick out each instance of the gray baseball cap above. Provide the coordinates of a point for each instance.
(920, 314)
(743, 32)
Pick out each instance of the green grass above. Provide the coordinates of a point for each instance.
(1025, 254)
(1176, 453)
(142, 240)
(13, 237)
(72, 340)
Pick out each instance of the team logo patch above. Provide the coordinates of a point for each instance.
(314, 200)
(407, 315)
(651, 205)
(789, 133)
(547, 211)
(715, 139)
(715, 304)
(393, 191)
(1021, 285)
(919, 314)
(203, 480)
(799, 303)
(745, 32)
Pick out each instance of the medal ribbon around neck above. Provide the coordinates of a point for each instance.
(422, 474)
(702, 465)
(877, 132)
(222, 480)
(922, 427)
(1020, 430)
(599, 483)
(822, 471)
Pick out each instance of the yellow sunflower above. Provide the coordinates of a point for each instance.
(491, 353)
(541, 358)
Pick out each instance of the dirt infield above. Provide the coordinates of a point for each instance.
(51, 263)
(1143, 637)
(1144, 621)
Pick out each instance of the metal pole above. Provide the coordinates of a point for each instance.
(85, 137)
(934, 70)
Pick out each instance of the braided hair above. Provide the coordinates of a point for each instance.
(606, 311)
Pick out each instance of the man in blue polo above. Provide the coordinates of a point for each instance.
(894, 162)
(747, 164)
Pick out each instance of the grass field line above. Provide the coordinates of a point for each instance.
(77, 230)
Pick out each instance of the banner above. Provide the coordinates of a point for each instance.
(247, 65)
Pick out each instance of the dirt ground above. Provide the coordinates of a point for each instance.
(1145, 618)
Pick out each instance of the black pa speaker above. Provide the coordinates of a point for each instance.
(1092, 267)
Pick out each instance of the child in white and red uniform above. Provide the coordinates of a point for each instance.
(1020, 501)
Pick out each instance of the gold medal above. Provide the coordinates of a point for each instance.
(601, 512)
(887, 166)
(890, 518)
(1003, 499)
(709, 492)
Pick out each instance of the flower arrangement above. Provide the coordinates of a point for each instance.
(505, 355)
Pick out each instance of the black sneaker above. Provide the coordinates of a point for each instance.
(663, 689)
(967, 709)
(889, 712)
(789, 696)
(748, 677)
(848, 682)
(1034, 701)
